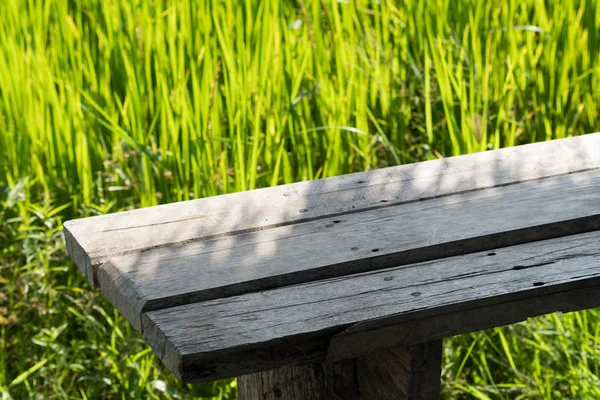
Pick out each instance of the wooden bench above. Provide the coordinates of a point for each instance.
(343, 288)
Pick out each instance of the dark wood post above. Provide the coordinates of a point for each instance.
(411, 373)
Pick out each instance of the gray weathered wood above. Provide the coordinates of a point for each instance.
(92, 241)
(411, 373)
(326, 381)
(393, 307)
(384, 334)
(403, 373)
(357, 242)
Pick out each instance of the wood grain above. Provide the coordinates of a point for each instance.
(357, 242)
(411, 373)
(326, 381)
(403, 373)
(392, 307)
(391, 332)
(92, 241)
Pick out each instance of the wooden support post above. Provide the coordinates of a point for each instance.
(411, 373)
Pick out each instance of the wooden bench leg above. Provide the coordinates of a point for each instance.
(409, 373)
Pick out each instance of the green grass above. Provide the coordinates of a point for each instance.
(111, 105)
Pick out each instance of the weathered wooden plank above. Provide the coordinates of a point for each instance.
(352, 243)
(409, 304)
(401, 330)
(403, 373)
(91, 241)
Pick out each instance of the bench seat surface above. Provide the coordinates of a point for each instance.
(327, 269)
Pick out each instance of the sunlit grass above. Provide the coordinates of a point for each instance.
(108, 105)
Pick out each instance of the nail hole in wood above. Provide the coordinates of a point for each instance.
(318, 370)
(415, 294)
(336, 222)
(539, 283)
(303, 210)
(354, 248)
(361, 182)
(491, 254)
(375, 250)
(388, 278)
(383, 201)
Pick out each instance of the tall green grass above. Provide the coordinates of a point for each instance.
(167, 101)
(108, 105)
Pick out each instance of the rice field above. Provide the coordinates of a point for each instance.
(112, 105)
